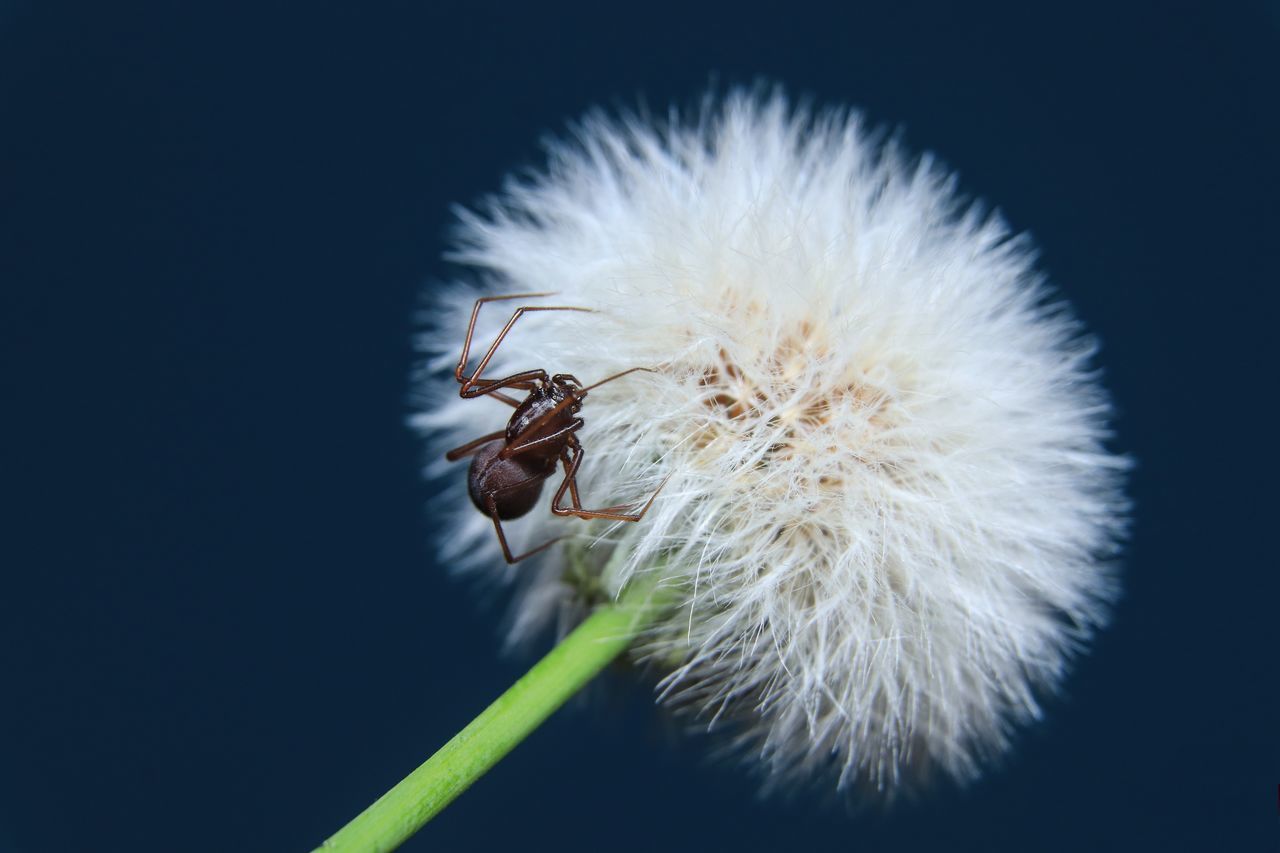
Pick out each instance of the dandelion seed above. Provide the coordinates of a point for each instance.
(890, 509)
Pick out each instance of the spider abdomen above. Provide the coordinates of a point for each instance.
(513, 485)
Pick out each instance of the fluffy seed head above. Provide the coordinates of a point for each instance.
(889, 508)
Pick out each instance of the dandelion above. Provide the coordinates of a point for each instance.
(888, 510)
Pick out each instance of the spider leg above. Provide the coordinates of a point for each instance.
(559, 435)
(472, 446)
(502, 537)
(524, 381)
(615, 376)
(510, 401)
(469, 382)
(571, 484)
(471, 327)
(577, 499)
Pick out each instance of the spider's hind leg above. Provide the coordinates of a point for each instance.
(502, 537)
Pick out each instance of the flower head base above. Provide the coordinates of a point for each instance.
(889, 505)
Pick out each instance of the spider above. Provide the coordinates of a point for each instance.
(509, 466)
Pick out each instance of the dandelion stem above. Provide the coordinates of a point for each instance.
(422, 794)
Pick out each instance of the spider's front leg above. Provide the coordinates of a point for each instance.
(520, 380)
(524, 381)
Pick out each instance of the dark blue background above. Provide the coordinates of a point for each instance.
(221, 626)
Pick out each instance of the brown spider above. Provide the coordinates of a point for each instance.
(510, 466)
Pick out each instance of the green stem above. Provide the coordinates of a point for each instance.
(403, 810)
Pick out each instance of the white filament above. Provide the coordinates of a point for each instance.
(889, 508)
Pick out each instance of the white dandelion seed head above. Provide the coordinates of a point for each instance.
(889, 510)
